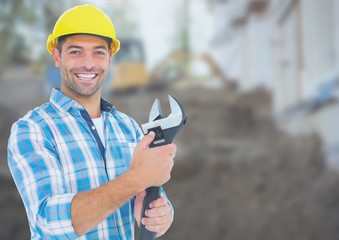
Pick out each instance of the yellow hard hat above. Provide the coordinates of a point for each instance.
(86, 19)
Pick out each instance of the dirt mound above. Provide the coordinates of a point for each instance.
(7, 118)
(236, 175)
(14, 223)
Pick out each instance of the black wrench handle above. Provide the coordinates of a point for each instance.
(162, 137)
(152, 193)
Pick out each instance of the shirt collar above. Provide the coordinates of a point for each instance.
(65, 103)
(106, 106)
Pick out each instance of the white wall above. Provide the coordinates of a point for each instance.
(243, 53)
(287, 68)
(159, 23)
(260, 70)
(319, 45)
(305, 49)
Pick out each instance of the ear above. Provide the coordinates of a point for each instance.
(56, 57)
(110, 56)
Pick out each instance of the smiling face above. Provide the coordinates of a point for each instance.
(84, 61)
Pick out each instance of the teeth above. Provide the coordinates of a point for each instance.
(86, 76)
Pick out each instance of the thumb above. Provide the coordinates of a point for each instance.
(140, 196)
(139, 201)
(147, 140)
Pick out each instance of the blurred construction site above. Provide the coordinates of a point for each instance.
(259, 79)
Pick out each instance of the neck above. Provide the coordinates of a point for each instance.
(92, 107)
(91, 104)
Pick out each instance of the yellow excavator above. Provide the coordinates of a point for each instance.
(129, 71)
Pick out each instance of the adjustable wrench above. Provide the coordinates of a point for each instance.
(165, 130)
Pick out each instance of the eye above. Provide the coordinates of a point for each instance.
(74, 52)
(101, 53)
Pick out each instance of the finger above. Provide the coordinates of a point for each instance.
(147, 139)
(160, 229)
(155, 221)
(159, 202)
(139, 200)
(158, 211)
(172, 148)
(140, 196)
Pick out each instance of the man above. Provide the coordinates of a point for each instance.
(82, 167)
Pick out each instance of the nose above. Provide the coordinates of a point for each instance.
(88, 62)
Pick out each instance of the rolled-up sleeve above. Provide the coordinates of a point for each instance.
(37, 173)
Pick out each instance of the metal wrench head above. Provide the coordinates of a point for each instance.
(156, 111)
(177, 111)
(176, 117)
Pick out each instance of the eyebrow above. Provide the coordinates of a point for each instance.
(79, 47)
(101, 47)
(74, 46)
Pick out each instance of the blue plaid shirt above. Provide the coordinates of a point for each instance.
(53, 154)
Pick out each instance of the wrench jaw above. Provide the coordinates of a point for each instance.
(176, 109)
(165, 128)
(156, 111)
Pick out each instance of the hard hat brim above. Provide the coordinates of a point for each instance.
(53, 42)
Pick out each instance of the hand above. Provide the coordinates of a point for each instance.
(152, 166)
(159, 216)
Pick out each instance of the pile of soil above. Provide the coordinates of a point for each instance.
(14, 221)
(239, 177)
(7, 118)
(236, 175)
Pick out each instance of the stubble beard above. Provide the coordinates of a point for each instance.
(69, 81)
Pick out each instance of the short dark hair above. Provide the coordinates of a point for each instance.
(62, 39)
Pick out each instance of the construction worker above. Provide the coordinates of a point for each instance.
(81, 166)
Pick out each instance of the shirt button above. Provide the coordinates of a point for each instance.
(93, 127)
